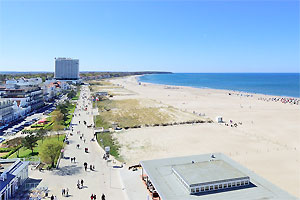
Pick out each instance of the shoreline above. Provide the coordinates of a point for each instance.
(232, 92)
(236, 91)
(266, 139)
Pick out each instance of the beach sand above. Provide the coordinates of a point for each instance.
(267, 142)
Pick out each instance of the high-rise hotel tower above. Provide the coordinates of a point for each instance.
(66, 69)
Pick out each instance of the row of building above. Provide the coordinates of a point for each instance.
(20, 97)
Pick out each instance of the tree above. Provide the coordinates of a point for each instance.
(71, 94)
(30, 141)
(57, 116)
(63, 109)
(50, 151)
(41, 134)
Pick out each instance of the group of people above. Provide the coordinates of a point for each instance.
(92, 167)
(233, 124)
(65, 192)
(80, 184)
(284, 100)
(94, 197)
(73, 159)
(53, 197)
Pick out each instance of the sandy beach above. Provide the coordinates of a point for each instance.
(266, 140)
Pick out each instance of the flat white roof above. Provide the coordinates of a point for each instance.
(207, 171)
(170, 188)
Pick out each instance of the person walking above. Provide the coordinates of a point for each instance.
(95, 197)
(103, 197)
(63, 192)
(81, 183)
(74, 159)
(92, 197)
(78, 184)
(67, 192)
(55, 198)
(85, 166)
(52, 197)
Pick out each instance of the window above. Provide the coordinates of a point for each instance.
(246, 182)
(220, 186)
(206, 188)
(225, 185)
(197, 189)
(216, 187)
(229, 184)
(193, 190)
(202, 189)
(238, 184)
(242, 183)
(233, 184)
(211, 187)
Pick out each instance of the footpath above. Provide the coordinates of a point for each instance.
(105, 179)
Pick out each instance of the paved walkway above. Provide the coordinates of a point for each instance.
(104, 179)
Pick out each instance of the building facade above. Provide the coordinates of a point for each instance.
(29, 98)
(6, 111)
(66, 69)
(14, 173)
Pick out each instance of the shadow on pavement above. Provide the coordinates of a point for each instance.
(68, 170)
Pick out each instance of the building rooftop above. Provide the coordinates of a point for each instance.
(207, 171)
(170, 188)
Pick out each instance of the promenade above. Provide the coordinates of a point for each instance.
(105, 179)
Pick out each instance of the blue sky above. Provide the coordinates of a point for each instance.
(177, 36)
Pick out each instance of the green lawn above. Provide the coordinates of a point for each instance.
(25, 153)
(77, 96)
(108, 140)
(71, 109)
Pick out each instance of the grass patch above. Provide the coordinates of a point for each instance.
(26, 153)
(101, 122)
(77, 96)
(129, 113)
(71, 110)
(106, 139)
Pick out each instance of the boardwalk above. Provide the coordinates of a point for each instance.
(104, 179)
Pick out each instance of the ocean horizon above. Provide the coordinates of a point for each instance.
(276, 84)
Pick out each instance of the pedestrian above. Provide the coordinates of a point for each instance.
(81, 183)
(74, 160)
(67, 192)
(78, 185)
(62, 192)
(71, 159)
(85, 166)
(52, 197)
(55, 198)
(93, 167)
(78, 146)
(103, 197)
(92, 197)
(83, 140)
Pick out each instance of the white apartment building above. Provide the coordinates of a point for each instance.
(6, 111)
(66, 69)
(12, 83)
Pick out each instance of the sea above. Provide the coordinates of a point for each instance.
(277, 84)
